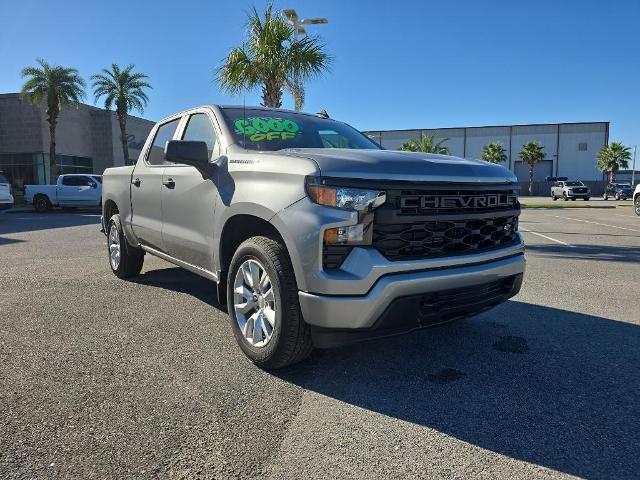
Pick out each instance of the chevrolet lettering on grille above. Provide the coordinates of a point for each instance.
(458, 201)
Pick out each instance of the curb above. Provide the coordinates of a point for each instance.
(553, 207)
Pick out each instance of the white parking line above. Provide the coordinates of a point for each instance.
(594, 223)
(548, 238)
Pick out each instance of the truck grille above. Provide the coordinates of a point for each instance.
(416, 224)
(579, 190)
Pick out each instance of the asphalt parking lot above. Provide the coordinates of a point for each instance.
(104, 378)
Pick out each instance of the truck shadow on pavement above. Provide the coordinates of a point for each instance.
(607, 253)
(180, 280)
(538, 384)
(548, 386)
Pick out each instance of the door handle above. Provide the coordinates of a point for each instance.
(169, 183)
(136, 182)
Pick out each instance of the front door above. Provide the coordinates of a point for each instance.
(188, 201)
(146, 189)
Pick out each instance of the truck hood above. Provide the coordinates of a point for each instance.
(395, 165)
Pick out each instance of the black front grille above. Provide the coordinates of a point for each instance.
(406, 227)
(579, 190)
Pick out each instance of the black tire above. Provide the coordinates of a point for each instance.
(573, 199)
(131, 258)
(636, 205)
(553, 197)
(290, 341)
(586, 199)
(564, 197)
(605, 196)
(41, 203)
(618, 197)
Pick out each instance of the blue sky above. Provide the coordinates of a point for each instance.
(401, 64)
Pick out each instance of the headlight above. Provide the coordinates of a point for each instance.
(346, 198)
(361, 200)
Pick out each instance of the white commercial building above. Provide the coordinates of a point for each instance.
(570, 148)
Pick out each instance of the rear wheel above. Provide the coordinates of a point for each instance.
(262, 298)
(636, 205)
(553, 197)
(618, 196)
(586, 199)
(125, 260)
(41, 203)
(605, 196)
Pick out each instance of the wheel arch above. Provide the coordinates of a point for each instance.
(241, 226)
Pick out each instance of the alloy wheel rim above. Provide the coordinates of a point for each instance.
(254, 303)
(114, 247)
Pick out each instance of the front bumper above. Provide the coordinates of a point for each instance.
(406, 294)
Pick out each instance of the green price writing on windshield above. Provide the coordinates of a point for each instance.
(267, 128)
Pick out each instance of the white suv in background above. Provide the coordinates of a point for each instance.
(6, 199)
(636, 200)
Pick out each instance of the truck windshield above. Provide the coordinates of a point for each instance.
(574, 184)
(270, 130)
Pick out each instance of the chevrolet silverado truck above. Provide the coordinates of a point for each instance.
(314, 235)
(70, 191)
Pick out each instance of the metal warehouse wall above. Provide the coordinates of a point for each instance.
(570, 148)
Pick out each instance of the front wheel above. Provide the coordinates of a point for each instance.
(564, 197)
(618, 197)
(264, 311)
(125, 260)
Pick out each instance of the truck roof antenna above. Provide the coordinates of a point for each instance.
(323, 113)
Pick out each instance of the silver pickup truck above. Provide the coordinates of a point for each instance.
(314, 235)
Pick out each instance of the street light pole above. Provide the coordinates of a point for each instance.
(298, 25)
(633, 170)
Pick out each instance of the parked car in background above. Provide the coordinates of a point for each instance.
(570, 191)
(636, 200)
(70, 191)
(6, 199)
(619, 191)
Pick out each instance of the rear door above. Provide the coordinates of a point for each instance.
(188, 200)
(146, 187)
(77, 191)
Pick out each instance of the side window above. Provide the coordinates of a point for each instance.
(163, 135)
(199, 128)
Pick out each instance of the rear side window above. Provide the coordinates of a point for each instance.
(3, 179)
(200, 129)
(163, 135)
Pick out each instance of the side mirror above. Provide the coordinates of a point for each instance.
(188, 152)
(93, 185)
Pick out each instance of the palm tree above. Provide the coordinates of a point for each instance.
(53, 86)
(494, 153)
(273, 58)
(125, 90)
(426, 144)
(612, 158)
(531, 153)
